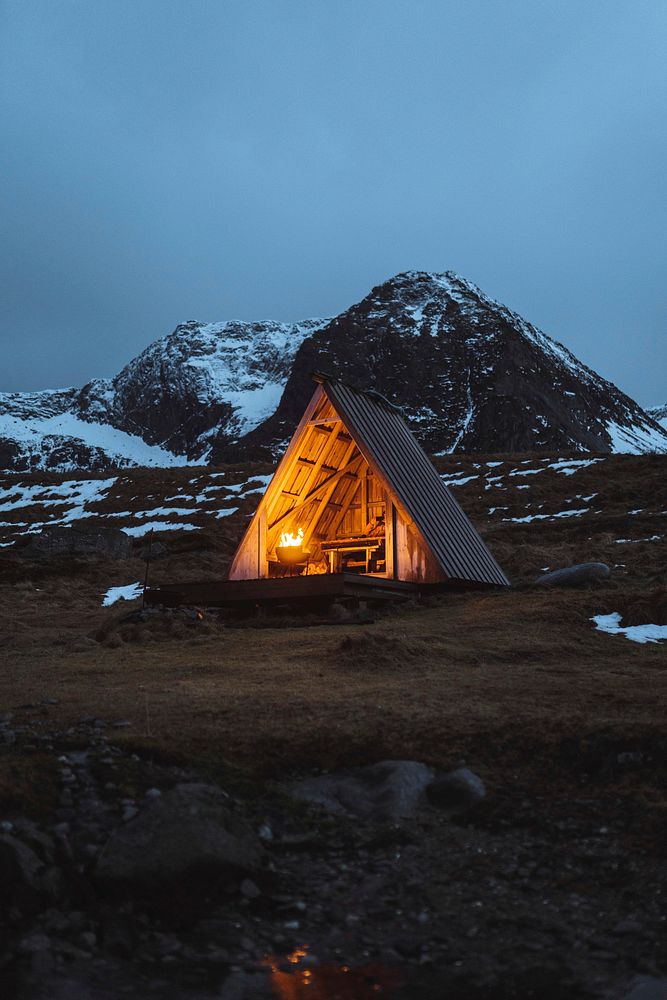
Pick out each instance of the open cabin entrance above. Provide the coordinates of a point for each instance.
(328, 513)
(330, 510)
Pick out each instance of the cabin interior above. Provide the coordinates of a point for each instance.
(328, 511)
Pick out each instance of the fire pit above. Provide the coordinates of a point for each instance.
(290, 550)
(291, 555)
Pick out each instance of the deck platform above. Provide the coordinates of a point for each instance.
(324, 588)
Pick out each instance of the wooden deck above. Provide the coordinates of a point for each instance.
(323, 588)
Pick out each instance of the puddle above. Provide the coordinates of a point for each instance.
(299, 976)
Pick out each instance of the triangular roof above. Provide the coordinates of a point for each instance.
(383, 438)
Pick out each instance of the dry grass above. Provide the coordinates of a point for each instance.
(502, 679)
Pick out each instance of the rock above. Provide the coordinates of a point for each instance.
(84, 645)
(647, 988)
(627, 926)
(246, 986)
(456, 789)
(119, 937)
(339, 613)
(113, 641)
(188, 831)
(23, 876)
(384, 792)
(80, 540)
(250, 889)
(575, 576)
(34, 943)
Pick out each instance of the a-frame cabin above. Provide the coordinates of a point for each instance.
(355, 494)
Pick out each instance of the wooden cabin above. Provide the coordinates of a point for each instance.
(355, 494)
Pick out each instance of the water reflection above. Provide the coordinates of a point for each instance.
(298, 977)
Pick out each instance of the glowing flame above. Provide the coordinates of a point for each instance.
(287, 539)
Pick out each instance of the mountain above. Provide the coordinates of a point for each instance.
(203, 381)
(659, 414)
(469, 374)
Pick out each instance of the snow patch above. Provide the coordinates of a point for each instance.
(636, 633)
(138, 530)
(546, 517)
(127, 593)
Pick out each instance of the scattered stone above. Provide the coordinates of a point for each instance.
(385, 792)
(575, 576)
(456, 789)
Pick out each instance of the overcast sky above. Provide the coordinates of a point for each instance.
(164, 160)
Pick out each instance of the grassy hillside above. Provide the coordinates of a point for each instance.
(497, 677)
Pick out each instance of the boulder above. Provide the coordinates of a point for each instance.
(18, 863)
(575, 576)
(457, 789)
(84, 540)
(386, 792)
(189, 831)
(24, 877)
(647, 988)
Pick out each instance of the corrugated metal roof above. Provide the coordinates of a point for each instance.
(382, 434)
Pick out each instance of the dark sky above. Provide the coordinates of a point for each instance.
(213, 159)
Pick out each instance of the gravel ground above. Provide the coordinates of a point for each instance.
(521, 895)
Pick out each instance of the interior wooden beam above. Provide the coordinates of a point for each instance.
(326, 498)
(346, 503)
(313, 465)
(317, 489)
(321, 463)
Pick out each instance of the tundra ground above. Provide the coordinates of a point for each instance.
(564, 723)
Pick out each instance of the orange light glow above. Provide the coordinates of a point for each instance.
(288, 539)
(291, 980)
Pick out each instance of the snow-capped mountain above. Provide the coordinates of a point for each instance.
(659, 414)
(202, 381)
(470, 375)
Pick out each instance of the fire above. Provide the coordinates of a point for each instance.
(288, 539)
